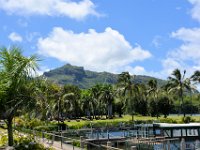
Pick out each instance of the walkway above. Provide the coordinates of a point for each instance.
(57, 145)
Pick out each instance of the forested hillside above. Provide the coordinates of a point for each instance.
(69, 74)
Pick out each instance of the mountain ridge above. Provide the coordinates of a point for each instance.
(69, 74)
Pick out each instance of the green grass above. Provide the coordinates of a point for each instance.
(73, 124)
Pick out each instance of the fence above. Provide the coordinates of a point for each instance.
(57, 140)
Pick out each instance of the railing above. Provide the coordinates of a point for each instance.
(58, 140)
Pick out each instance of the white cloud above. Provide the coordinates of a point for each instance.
(41, 70)
(190, 49)
(137, 70)
(15, 37)
(195, 12)
(76, 10)
(105, 51)
(186, 56)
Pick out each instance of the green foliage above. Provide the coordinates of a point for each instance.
(168, 120)
(164, 105)
(51, 127)
(3, 140)
(77, 143)
(187, 119)
(27, 143)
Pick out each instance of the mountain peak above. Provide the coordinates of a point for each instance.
(69, 74)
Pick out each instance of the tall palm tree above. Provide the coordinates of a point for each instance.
(95, 94)
(178, 82)
(129, 92)
(196, 76)
(153, 90)
(87, 103)
(107, 95)
(125, 87)
(16, 76)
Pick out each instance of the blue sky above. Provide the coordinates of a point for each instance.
(147, 37)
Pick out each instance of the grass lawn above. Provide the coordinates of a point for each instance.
(127, 118)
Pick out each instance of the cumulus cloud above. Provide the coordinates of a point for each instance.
(190, 49)
(195, 12)
(187, 55)
(76, 10)
(15, 37)
(105, 51)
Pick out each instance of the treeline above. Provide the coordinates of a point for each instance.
(69, 102)
(21, 93)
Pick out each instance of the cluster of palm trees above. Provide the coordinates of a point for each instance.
(21, 92)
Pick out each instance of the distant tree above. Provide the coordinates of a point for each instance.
(124, 88)
(196, 76)
(75, 99)
(87, 103)
(107, 95)
(141, 103)
(164, 105)
(95, 94)
(154, 91)
(178, 83)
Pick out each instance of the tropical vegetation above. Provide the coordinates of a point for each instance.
(42, 101)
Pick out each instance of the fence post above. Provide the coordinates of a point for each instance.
(61, 142)
(53, 138)
(81, 142)
(133, 148)
(43, 136)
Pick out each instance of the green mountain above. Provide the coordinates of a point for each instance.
(69, 74)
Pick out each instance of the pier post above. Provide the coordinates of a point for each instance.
(182, 144)
(168, 144)
(109, 144)
(197, 144)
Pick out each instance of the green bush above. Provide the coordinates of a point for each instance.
(51, 127)
(77, 143)
(27, 143)
(187, 119)
(3, 140)
(167, 120)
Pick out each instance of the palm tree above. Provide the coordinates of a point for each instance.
(177, 82)
(153, 90)
(87, 103)
(141, 102)
(74, 100)
(129, 91)
(124, 87)
(16, 76)
(107, 95)
(196, 76)
(95, 94)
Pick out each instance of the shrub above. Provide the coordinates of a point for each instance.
(27, 143)
(51, 127)
(187, 119)
(167, 120)
(76, 143)
(3, 140)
